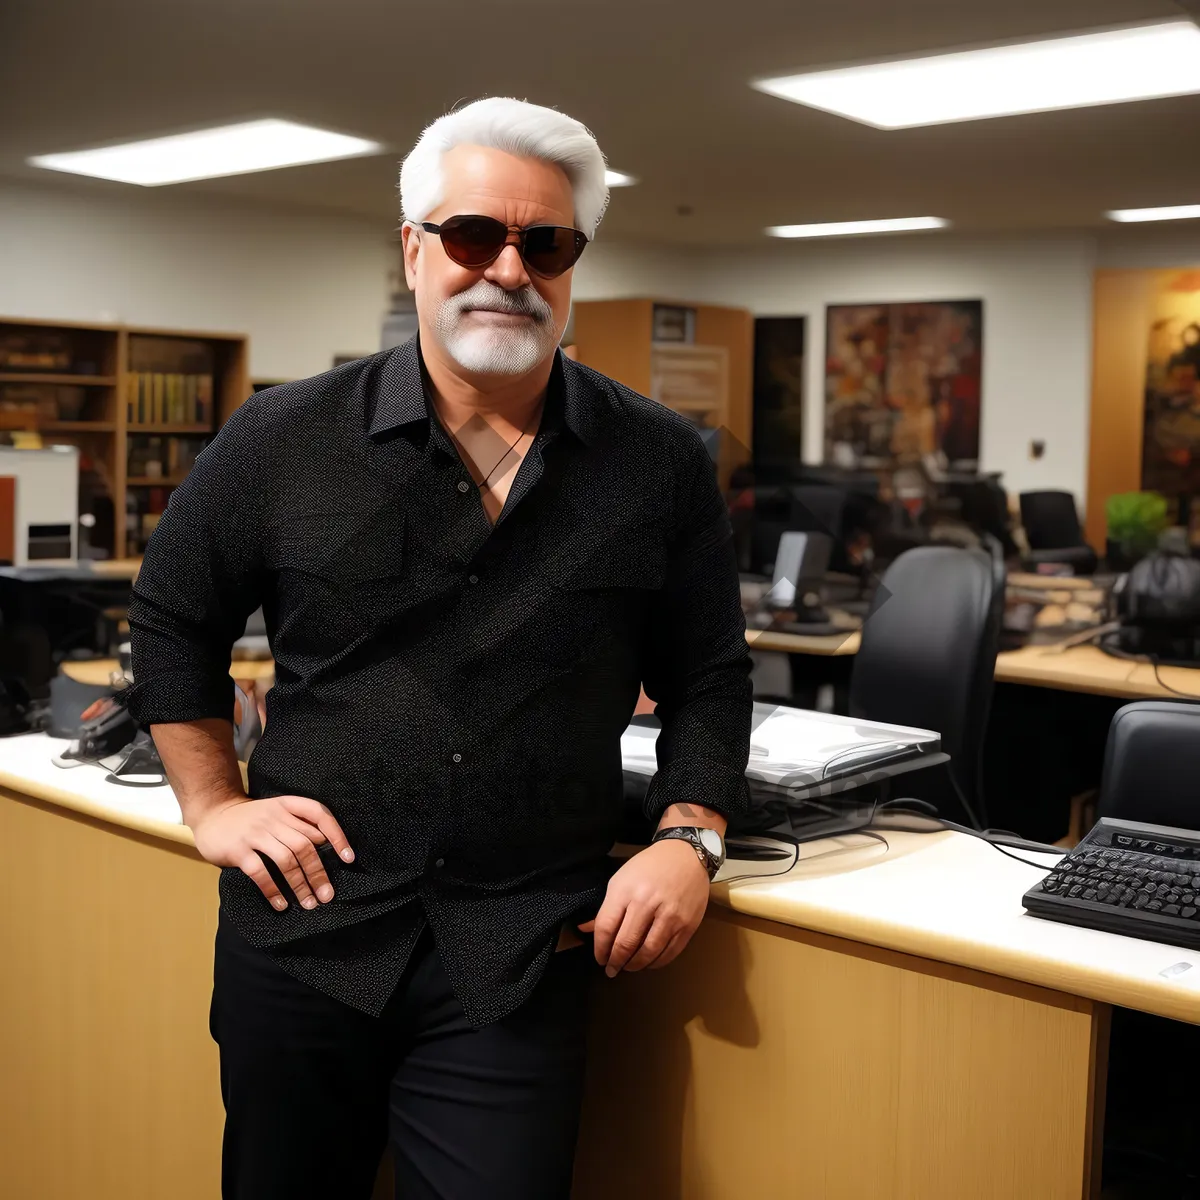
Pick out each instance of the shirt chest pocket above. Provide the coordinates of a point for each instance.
(339, 574)
(599, 603)
(630, 559)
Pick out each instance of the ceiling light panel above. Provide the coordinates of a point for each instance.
(1070, 72)
(210, 153)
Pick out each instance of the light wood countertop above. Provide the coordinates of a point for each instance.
(955, 899)
(946, 896)
(1078, 669)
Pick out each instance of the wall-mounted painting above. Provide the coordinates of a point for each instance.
(903, 381)
(1171, 442)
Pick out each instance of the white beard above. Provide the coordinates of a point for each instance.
(504, 350)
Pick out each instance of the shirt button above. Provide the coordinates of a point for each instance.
(441, 862)
(473, 578)
(463, 486)
(457, 757)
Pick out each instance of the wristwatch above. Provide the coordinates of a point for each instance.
(708, 844)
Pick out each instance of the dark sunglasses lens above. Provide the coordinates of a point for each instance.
(473, 241)
(552, 249)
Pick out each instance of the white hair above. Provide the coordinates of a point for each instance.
(516, 127)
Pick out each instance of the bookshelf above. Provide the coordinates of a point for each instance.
(126, 396)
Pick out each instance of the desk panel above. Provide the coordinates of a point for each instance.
(773, 1062)
(110, 1074)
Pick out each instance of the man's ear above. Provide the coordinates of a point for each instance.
(410, 243)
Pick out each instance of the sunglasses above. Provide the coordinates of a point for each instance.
(475, 242)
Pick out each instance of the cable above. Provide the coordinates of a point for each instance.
(1168, 687)
(787, 839)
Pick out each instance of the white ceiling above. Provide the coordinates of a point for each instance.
(663, 84)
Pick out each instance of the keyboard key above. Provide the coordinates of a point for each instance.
(1171, 910)
(1189, 912)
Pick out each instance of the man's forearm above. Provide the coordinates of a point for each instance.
(692, 814)
(201, 765)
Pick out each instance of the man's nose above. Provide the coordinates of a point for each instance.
(508, 271)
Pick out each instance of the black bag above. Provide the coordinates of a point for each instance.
(1158, 603)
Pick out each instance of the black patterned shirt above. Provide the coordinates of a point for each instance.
(453, 691)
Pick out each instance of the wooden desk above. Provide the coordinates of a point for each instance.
(841, 1031)
(883, 1023)
(1079, 669)
(98, 670)
(826, 646)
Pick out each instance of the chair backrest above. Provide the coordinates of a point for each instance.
(1051, 521)
(928, 658)
(819, 508)
(1152, 764)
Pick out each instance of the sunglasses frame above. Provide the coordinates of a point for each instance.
(517, 232)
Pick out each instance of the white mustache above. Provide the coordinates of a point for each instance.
(487, 296)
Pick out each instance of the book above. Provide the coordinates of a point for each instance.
(204, 385)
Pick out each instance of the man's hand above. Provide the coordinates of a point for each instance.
(288, 830)
(653, 905)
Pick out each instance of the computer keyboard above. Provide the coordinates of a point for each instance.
(1127, 877)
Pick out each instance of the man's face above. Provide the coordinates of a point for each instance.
(500, 320)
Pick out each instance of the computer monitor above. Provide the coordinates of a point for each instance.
(801, 558)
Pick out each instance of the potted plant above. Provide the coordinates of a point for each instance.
(1135, 519)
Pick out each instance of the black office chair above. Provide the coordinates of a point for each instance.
(819, 508)
(1053, 531)
(928, 658)
(1152, 764)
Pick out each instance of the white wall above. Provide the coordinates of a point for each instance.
(1036, 294)
(622, 271)
(304, 286)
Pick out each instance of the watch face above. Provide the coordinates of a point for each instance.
(710, 839)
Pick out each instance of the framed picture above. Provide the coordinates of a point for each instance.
(903, 382)
(674, 324)
(1171, 438)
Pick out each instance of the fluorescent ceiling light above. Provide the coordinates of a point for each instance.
(208, 153)
(618, 179)
(1068, 72)
(850, 228)
(1180, 212)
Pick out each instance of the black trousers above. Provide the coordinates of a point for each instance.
(315, 1090)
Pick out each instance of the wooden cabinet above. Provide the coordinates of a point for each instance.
(708, 378)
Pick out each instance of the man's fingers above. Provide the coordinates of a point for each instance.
(606, 924)
(255, 868)
(674, 949)
(634, 927)
(317, 814)
(288, 865)
(310, 862)
(653, 944)
(587, 926)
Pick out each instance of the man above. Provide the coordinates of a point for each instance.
(470, 551)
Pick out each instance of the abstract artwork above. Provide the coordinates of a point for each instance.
(1171, 440)
(902, 382)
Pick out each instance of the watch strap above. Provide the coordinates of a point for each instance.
(691, 835)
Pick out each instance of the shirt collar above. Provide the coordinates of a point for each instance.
(571, 398)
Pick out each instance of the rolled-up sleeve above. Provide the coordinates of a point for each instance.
(697, 664)
(200, 579)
